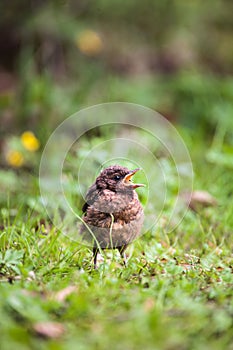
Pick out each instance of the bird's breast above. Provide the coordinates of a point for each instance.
(113, 202)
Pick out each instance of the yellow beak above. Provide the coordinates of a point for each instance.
(127, 179)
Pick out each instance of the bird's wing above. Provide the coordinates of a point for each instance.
(91, 195)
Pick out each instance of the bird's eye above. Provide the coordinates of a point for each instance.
(117, 177)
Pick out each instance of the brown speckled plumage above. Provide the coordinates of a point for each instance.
(112, 210)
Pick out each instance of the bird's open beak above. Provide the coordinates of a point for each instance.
(127, 179)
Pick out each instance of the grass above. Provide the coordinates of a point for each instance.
(175, 293)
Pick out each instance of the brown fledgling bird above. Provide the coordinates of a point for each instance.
(113, 215)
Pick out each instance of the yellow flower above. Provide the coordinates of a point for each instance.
(15, 159)
(29, 141)
(89, 42)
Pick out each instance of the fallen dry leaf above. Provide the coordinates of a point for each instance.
(149, 304)
(61, 295)
(49, 329)
(198, 199)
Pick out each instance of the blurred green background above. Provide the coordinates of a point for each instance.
(59, 56)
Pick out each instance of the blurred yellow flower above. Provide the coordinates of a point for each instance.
(15, 158)
(29, 141)
(89, 42)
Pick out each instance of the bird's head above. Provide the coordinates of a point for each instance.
(117, 178)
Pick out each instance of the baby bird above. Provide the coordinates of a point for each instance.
(113, 215)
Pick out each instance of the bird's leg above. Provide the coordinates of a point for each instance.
(122, 253)
(95, 253)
